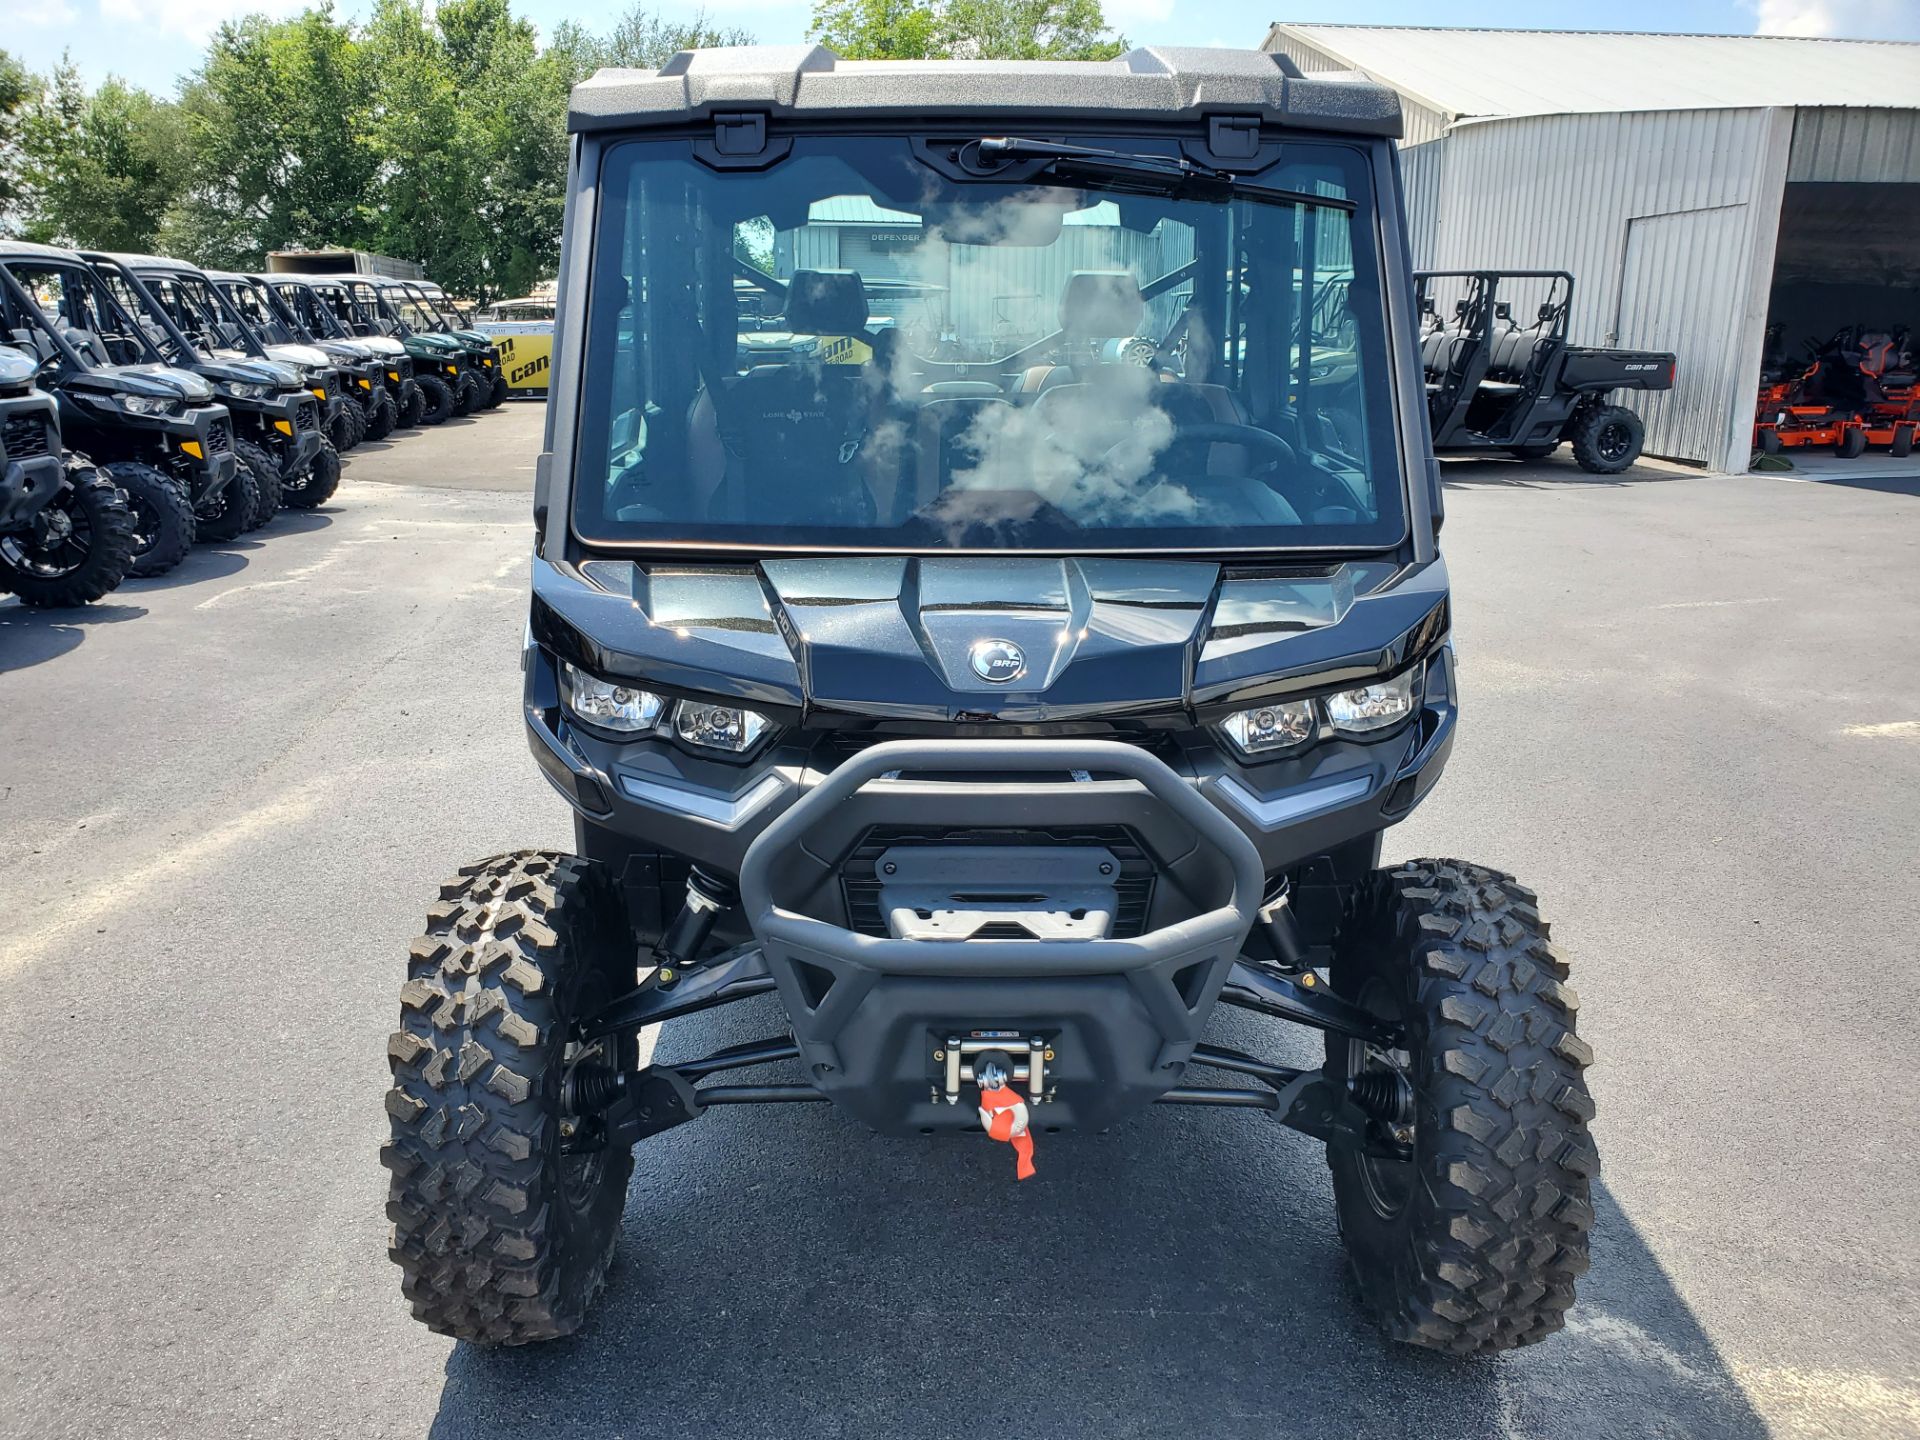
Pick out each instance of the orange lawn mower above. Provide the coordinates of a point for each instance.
(1892, 412)
(1819, 408)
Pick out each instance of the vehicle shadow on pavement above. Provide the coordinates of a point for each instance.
(1543, 475)
(1885, 484)
(783, 1272)
(30, 637)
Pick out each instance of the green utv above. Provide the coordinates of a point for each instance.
(276, 406)
(332, 319)
(357, 377)
(66, 535)
(153, 427)
(470, 380)
(458, 323)
(437, 366)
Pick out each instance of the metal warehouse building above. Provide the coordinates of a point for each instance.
(1700, 187)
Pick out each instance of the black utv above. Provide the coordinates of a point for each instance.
(277, 405)
(153, 427)
(1494, 385)
(356, 391)
(1004, 714)
(66, 535)
(303, 306)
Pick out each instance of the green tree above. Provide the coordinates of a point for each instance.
(99, 170)
(17, 87)
(966, 29)
(278, 114)
(1028, 30)
(644, 39)
(878, 29)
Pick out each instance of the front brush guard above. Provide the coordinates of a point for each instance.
(1140, 1003)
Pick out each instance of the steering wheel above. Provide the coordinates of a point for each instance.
(1252, 437)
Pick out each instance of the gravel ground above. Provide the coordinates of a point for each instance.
(1692, 722)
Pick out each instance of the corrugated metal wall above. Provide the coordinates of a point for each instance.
(1561, 192)
(1423, 122)
(1878, 145)
(1423, 174)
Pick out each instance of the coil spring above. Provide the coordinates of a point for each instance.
(1383, 1094)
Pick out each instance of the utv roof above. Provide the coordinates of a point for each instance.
(1152, 83)
(150, 262)
(11, 249)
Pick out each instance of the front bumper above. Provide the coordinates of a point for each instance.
(26, 487)
(1117, 1017)
(204, 452)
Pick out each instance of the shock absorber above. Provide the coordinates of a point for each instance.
(708, 898)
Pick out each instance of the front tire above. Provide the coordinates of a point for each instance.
(316, 486)
(1607, 439)
(1853, 444)
(437, 399)
(502, 1239)
(163, 528)
(412, 406)
(78, 557)
(229, 515)
(466, 393)
(380, 416)
(1473, 1243)
(498, 394)
(266, 480)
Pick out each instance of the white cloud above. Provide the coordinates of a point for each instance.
(194, 20)
(1848, 19)
(47, 16)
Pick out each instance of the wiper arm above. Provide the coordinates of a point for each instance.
(1170, 175)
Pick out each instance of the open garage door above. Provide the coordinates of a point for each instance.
(1848, 260)
(1848, 254)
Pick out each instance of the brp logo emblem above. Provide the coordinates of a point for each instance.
(1000, 661)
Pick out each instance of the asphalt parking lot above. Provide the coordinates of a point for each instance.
(1692, 721)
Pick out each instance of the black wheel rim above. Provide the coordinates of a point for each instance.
(581, 1171)
(146, 524)
(58, 544)
(1614, 442)
(1386, 1182)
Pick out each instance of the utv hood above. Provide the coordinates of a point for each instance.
(1018, 638)
(381, 344)
(250, 372)
(307, 356)
(161, 380)
(16, 369)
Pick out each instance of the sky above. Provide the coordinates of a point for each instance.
(155, 42)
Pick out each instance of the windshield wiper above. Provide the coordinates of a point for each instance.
(1170, 175)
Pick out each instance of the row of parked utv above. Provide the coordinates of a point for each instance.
(146, 403)
(1854, 393)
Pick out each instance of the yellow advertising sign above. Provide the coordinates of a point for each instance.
(525, 358)
(844, 350)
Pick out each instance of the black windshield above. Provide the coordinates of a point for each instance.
(850, 350)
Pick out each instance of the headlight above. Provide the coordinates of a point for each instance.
(1372, 707)
(241, 390)
(149, 405)
(1268, 729)
(610, 706)
(716, 727)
